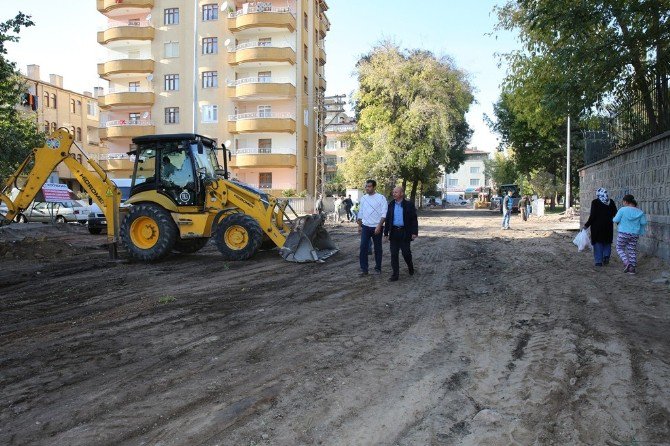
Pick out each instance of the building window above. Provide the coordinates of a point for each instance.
(171, 82)
(53, 100)
(90, 108)
(210, 113)
(210, 12)
(474, 181)
(72, 131)
(453, 182)
(305, 52)
(265, 41)
(73, 108)
(305, 149)
(133, 86)
(264, 111)
(171, 16)
(46, 99)
(210, 79)
(209, 45)
(306, 182)
(46, 127)
(305, 20)
(53, 127)
(172, 115)
(474, 169)
(78, 107)
(171, 49)
(265, 145)
(134, 118)
(265, 180)
(79, 134)
(305, 85)
(264, 76)
(330, 145)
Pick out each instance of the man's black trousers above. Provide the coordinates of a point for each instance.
(400, 243)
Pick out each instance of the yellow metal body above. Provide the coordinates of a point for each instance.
(36, 168)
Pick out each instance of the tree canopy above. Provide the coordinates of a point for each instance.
(18, 132)
(411, 110)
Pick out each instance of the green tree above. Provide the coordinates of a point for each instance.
(501, 169)
(411, 118)
(18, 132)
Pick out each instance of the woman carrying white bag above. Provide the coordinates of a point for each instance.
(603, 211)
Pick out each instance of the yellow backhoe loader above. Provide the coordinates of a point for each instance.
(180, 197)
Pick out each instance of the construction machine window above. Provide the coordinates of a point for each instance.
(177, 175)
(206, 162)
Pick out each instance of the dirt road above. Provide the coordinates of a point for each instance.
(502, 337)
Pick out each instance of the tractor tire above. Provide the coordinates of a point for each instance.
(148, 232)
(238, 237)
(95, 231)
(190, 245)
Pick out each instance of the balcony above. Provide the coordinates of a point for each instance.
(116, 162)
(262, 122)
(111, 68)
(261, 87)
(321, 83)
(322, 56)
(260, 52)
(340, 128)
(126, 99)
(261, 17)
(126, 129)
(130, 30)
(106, 6)
(255, 157)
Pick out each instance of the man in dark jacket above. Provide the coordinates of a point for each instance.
(400, 228)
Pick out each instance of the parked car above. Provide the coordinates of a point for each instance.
(97, 222)
(71, 211)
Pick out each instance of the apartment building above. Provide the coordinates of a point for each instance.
(338, 125)
(469, 180)
(245, 72)
(54, 107)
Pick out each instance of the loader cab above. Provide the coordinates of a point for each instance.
(176, 166)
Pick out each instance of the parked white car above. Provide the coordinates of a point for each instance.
(71, 211)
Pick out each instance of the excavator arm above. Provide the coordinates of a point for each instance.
(35, 171)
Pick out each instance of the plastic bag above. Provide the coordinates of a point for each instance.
(582, 240)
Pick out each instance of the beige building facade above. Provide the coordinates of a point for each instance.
(54, 107)
(250, 73)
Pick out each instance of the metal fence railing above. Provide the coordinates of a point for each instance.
(631, 122)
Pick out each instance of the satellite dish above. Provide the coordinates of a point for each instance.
(227, 143)
(224, 6)
(145, 115)
(226, 42)
(150, 77)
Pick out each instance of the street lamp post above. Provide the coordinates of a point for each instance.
(567, 171)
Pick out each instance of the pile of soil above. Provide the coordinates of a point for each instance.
(37, 248)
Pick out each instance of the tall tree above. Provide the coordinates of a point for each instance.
(18, 132)
(411, 117)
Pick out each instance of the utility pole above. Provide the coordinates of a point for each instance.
(324, 106)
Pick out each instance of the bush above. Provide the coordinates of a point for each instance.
(288, 193)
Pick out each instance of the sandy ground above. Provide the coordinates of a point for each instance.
(501, 338)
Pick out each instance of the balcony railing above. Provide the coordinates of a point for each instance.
(259, 8)
(340, 128)
(128, 122)
(261, 115)
(120, 23)
(117, 89)
(265, 151)
(246, 45)
(260, 80)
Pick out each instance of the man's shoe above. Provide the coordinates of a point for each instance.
(411, 270)
(377, 272)
(363, 273)
(393, 279)
(606, 260)
(599, 264)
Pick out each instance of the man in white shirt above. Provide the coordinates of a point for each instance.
(371, 216)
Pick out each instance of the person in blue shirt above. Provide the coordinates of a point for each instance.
(631, 223)
(400, 228)
(507, 205)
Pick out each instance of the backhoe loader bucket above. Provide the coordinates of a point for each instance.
(308, 241)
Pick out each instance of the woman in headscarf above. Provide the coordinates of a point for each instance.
(603, 211)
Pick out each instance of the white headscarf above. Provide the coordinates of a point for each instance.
(602, 196)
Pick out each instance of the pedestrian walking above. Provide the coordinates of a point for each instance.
(529, 207)
(507, 205)
(523, 209)
(602, 212)
(348, 204)
(371, 216)
(318, 206)
(401, 227)
(631, 223)
(338, 208)
(354, 211)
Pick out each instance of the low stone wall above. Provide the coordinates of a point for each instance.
(644, 172)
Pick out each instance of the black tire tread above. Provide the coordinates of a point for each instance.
(255, 236)
(166, 225)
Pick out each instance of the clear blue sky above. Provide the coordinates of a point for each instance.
(64, 42)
